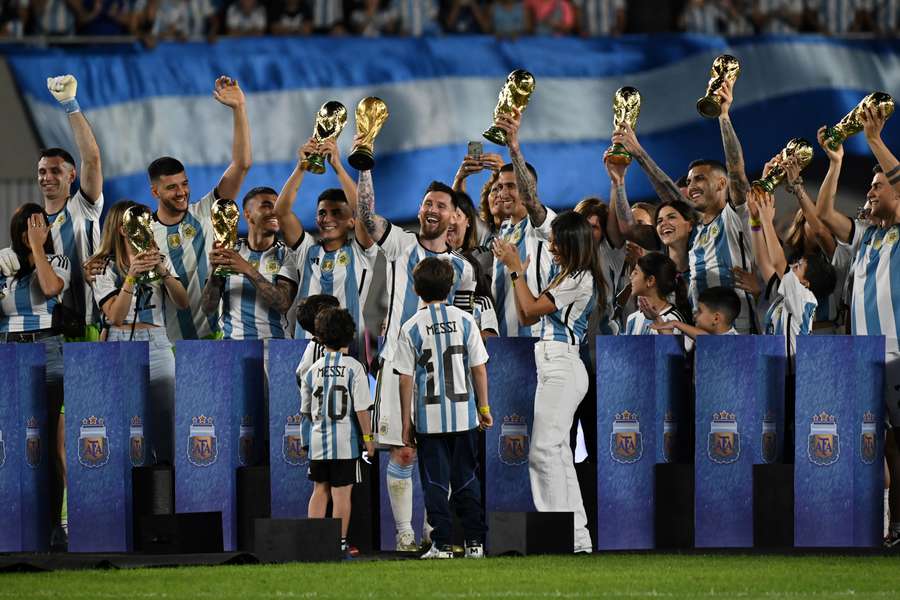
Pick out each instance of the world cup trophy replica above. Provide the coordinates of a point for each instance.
(138, 223)
(330, 120)
(796, 148)
(225, 217)
(724, 68)
(371, 113)
(852, 123)
(515, 94)
(626, 108)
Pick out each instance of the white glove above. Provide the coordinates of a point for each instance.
(63, 89)
(9, 262)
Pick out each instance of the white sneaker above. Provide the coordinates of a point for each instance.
(406, 542)
(584, 550)
(435, 552)
(475, 550)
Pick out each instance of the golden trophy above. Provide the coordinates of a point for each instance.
(852, 123)
(371, 113)
(626, 108)
(225, 217)
(330, 120)
(138, 223)
(515, 94)
(797, 147)
(724, 68)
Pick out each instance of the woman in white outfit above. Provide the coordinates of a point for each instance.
(562, 308)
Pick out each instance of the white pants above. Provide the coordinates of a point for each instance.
(562, 383)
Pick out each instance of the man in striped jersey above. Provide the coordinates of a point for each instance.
(778, 16)
(248, 297)
(526, 224)
(74, 219)
(403, 251)
(184, 229)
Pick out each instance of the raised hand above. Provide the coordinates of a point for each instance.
(873, 120)
(625, 135)
(228, 92)
(726, 96)
(63, 87)
(746, 281)
(508, 254)
(510, 122)
(834, 156)
(492, 161)
(648, 311)
(615, 171)
(37, 232)
(329, 149)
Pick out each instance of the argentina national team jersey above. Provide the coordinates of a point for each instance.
(438, 346)
(638, 324)
(23, 305)
(244, 316)
(148, 299)
(187, 244)
(333, 390)
(574, 298)
(76, 235)
(345, 273)
(875, 297)
(531, 242)
(792, 311)
(715, 249)
(403, 252)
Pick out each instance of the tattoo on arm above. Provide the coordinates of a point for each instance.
(375, 224)
(212, 293)
(527, 189)
(663, 185)
(277, 295)
(623, 210)
(734, 160)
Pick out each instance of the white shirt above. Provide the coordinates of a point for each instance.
(438, 347)
(149, 299)
(599, 17)
(239, 22)
(792, 311)
(638, 324)
(484, 314)
(773, 23)
(574, 298)
(244, 316)
(23, 305)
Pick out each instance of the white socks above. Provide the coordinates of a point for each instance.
(400, 491)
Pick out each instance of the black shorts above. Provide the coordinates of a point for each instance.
(336, 473)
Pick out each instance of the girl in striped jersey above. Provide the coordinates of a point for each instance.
(562, 309)
(27, 303)
(136, 310)
(653, 281)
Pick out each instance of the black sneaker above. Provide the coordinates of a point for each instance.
(59, 540)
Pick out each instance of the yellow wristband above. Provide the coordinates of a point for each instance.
(755, 223)
(485, 410)
(130, 279)
(368, 437)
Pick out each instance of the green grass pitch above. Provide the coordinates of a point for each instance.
(597, 576)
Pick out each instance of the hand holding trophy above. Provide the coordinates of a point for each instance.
(724, 68)
(225, 217)
(515, 94)
(626, 108)
(138, 224)
(371, 114)
(330, 120)
(852, 123)
(797, 149)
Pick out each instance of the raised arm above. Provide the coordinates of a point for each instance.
(63, 89)
(290, 225)
(795, 186)
(525, 182)
(839, 224)
(758, 237)
(370, 227)
(662, 184)
(230, 94)
(330, 150)
(620, 224)
(738, 185)
(873, 122)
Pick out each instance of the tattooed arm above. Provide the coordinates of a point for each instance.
(370, 226)
(662, 184)
(738, 185)
(278, 295)
(212, 293)
(525, 183)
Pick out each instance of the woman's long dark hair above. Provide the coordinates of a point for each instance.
(470, 237)
(663, 270)
(574, 243)
(18, 227)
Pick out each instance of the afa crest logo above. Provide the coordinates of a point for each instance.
(769, 438)
(724, 443)
(513, 442)
(136, 441)
(824, 446)
(202, 448)
(2, 450)
(626, 444)
(343, 259)
(868, 440)
(292, 442)
(327, 265)
(93, 445)
(670, 431)
(174, 240)
(32, 443)
(272, 266)
(188, 231)
(246, 440)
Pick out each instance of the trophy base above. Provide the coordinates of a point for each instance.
(709, 107)
(618, 155)
(362, 159)
(315, 164)
(495, 135)
(765, 185)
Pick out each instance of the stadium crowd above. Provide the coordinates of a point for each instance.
(198, 19)
(705, 260)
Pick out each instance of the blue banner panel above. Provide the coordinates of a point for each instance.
(32, 443)
(99, 411)
(11, 455)
(290, 487)
(218, 393)
(727, 368)
(512, 381)
(626, 441)
(388, 530)
(672, 399)
(838, 455)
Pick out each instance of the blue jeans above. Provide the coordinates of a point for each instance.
(161, 394)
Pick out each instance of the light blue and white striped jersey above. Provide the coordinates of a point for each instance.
(836, 16)
(150, 298)
(574, 298)
(599, 17)
(327, 13)
(773, 9)
(314, 351)
(403, 252)
(23, 305)
(76, 235)
(244, 316)
(638, 324)
(875, 305)
(615, 279)
(333, 390)
(240, 22)
(188, 17)
(792, 311)
(484, 314)
(188, 244)
(842, 261)
(531, 242)
(416, 17)
(716, 248)
(705, 18)
(438, 347)
(345, 273)
(56, 19)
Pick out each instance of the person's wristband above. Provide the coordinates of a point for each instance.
(128, 291)
(70, 106)
(130, 279)
(756, 228)
(513, 275)
(484, 410)
(755, 222)
(368, 437)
